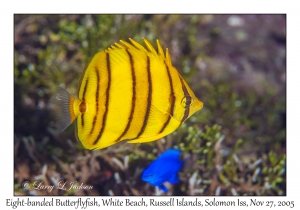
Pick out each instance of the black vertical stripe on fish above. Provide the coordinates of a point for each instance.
(172, 102)
(97, 99)
(107, 98)
(83, 99)
(149, 99)
(188, 101)
(133, 96)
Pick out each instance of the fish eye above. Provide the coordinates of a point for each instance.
(186, 101)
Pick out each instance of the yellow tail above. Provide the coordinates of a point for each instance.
(65, 108)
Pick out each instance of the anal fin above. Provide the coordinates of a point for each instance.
(163, 188)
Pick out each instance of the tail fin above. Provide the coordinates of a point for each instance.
(63, 105)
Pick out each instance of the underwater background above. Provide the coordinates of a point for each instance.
(235, 64)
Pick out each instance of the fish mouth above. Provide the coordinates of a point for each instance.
(198, 105)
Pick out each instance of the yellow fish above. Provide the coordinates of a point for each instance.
(127, 92)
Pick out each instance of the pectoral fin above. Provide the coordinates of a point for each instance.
(155, 121)
(174, 179)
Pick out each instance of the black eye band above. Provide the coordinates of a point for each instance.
(188, 100)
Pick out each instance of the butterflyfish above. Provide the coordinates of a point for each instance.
(127, 92)
(164, 169)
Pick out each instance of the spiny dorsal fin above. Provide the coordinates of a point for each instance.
(149, 46)
(119, 45)
(135, 44)
(168, 57)
(126, 44)
(115, 47)
(160, 50)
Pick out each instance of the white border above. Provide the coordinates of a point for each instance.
(141, 7)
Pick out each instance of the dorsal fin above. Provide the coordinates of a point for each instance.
(160, 50)
(168, 57)
(136, 44)
(126, 44)
(149, 46)
(115, 47)
(119, 45)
